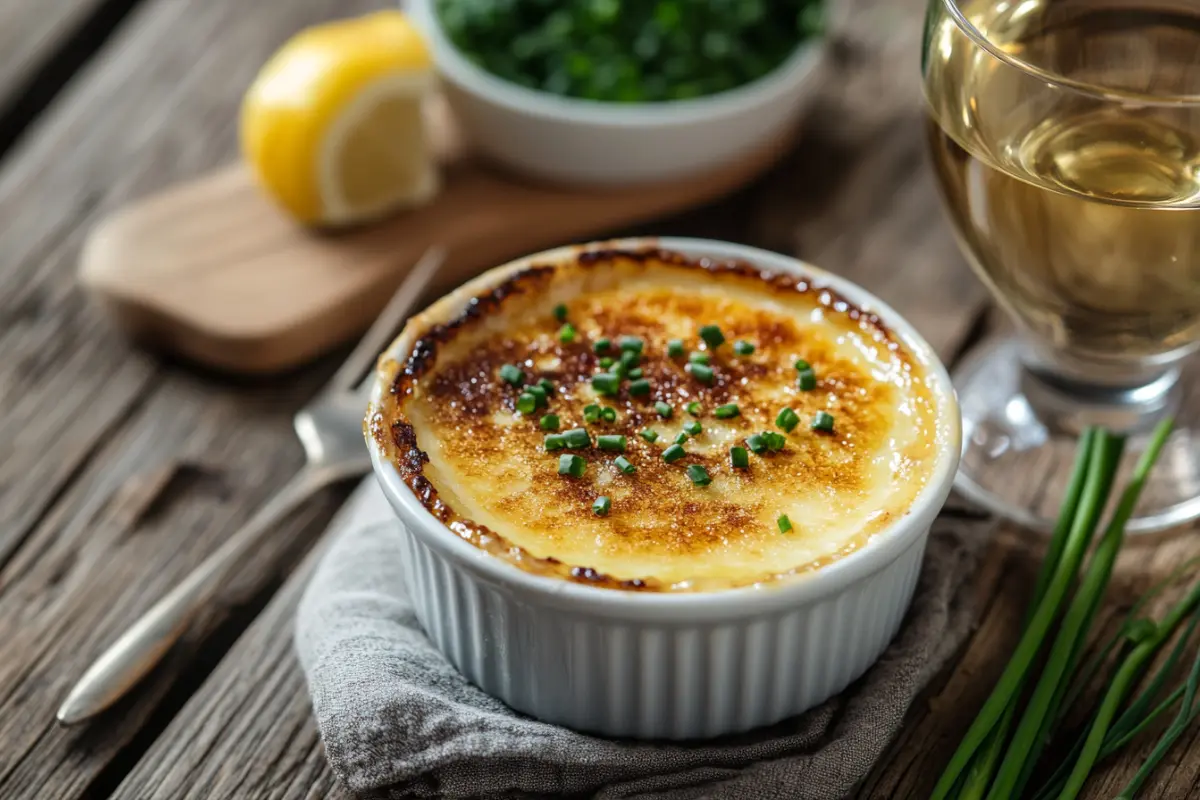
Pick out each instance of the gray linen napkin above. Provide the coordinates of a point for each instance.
(398, 721)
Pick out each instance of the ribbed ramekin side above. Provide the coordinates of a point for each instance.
(631, 678)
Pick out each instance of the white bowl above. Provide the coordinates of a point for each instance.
(676, 666)
(578, 141)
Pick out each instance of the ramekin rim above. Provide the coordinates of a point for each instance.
(876, 554)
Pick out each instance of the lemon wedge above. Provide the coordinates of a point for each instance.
(332, 125)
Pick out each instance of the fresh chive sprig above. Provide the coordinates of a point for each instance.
(1099, 453)
(990, 762)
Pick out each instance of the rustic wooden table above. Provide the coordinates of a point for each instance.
(120, 472)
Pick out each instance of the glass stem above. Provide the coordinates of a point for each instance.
(1070, 395)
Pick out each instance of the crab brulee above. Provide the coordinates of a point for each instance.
(645, 420)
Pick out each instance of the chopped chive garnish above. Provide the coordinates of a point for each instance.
(560, 312)
(606, 383)
(743, 348)
(538, 393)
(699, 475)
(511, 374)
(591, 413)
(787, 420)
(801, 365)
(608, 414)
(554, 441)
(823, 421)
(631, 344)
(698, 358)
(692, 427)
(727, 411)
(577, 438)
(630, 359)
(738, 457)
(618, 370)
(680, 438)
(673, 453)
(775, 441)
(566, 334)
(602, 506)
(601, 346)
(807, 380)
(550, 422)
(700, 372)
(547, 386)
(625, 465)
(526, 403)
(663, 409)
(613, 442)
(675, 348)
(757, 443)
(648, 435)
(784, 523)
(693, 408)
(712, 336)
(571, 464)
(606, 362)
(636, 372)
(639, 387)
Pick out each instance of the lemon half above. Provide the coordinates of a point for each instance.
(332, 125)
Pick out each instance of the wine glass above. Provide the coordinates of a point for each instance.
(1065, 135)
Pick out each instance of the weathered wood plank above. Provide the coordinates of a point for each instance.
(860, 206)
(865, 208)
(43, 44)
(31, 32)
(145, 116)
(952, 700)
(234, 744)
(935, 725)
(248, 731)
(937, 722)
(118, 474)
(854, 199)
(101, 558)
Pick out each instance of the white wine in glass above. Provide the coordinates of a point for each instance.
(1065, 135)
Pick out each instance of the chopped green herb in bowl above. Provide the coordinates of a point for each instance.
(629, 51)
(622, 92)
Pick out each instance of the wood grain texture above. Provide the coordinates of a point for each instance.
(118, 540)
(827, 202)
(938, 720)
(144, 117)
(31, 33)
(43, 45)
(119, 473)
(251, 720)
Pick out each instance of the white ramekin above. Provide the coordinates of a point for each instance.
(674, 666)
(571, 140)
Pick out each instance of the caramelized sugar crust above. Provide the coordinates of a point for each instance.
(451, 424)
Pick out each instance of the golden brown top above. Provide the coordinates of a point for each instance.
(455, 427)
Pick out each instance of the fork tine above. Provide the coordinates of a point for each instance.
(363, 357)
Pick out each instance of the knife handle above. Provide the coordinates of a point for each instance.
(142, 646)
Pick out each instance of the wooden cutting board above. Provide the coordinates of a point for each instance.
(212, 271)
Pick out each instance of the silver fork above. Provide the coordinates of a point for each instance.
(330, 429)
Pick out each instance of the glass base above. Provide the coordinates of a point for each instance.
(1021, 427)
